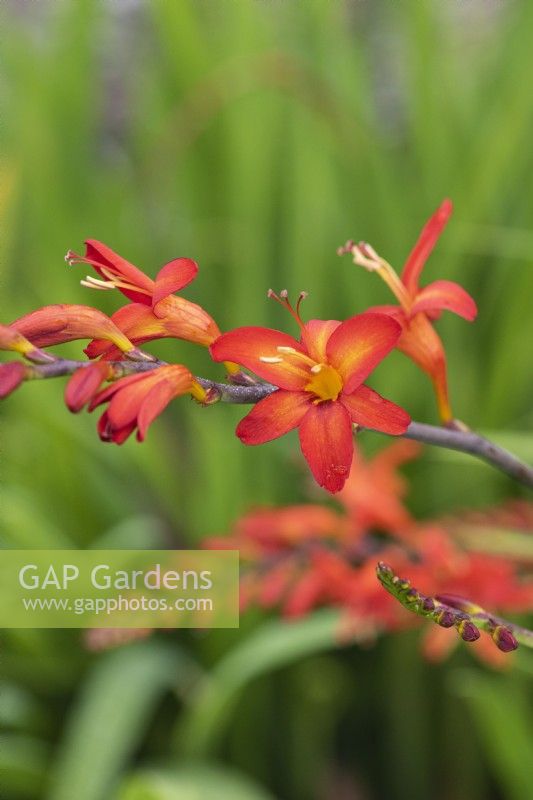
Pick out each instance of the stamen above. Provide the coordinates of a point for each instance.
(365, 256)
(271, 359)
(317, 368)
(99, 283)
(91, 283)
(283, 300)
(302, 296)
(296, 354)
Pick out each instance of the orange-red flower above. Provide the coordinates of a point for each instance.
(419, 306)
(135, 401)
(63, 322)
(320, 386)
(373, 494)
(155, 311)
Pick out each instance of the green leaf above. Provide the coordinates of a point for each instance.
(499, 707)
(109, 718)
(274, 645)
(23, 764)
(196, 781)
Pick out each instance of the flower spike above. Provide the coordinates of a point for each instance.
(451, 611)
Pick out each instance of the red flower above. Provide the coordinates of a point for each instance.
(63, 322)
(372, 495)
(320, 386)
(135, 401)
(155, 311)
(418, 306)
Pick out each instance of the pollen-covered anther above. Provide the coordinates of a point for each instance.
(271, 359)
(365, 256)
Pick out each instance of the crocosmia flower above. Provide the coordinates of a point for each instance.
(320, 386)
(155, 311)
(135, 401)
(419, 306)
(63, 322)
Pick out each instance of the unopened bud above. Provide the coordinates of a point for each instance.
(468, 631)
(445, 618)
(84, 384)
(504, 639)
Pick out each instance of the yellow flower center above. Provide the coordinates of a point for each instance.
(325, 383)
(322, 380)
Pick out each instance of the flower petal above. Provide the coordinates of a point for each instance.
(370, 410)
(359, 344)
(396, 312)
(101, 257)
(426, 242)
(317, 333)
(172, 277)
(326, 439)
(153, 404)
(108, 433)
(446, 295)
(247, 346)
(64, 322)
(273, 416)
(421, 342)
(107, 393)
(126, 402)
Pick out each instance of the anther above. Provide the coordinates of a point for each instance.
(271, 359)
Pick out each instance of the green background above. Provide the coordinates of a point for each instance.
(256, 137)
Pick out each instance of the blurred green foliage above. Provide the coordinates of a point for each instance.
(256, 137)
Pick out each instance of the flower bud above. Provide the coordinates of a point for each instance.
(468, 631)
(84, 384)
(445, 618)
(504, 639)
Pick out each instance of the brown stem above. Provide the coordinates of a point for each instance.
(463, 441)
